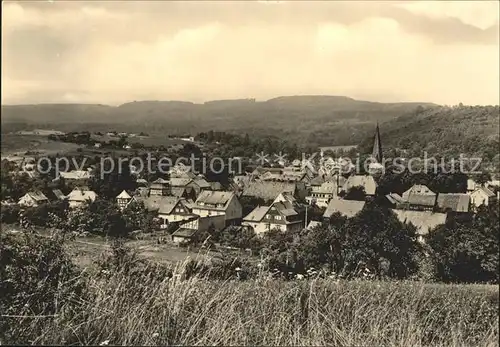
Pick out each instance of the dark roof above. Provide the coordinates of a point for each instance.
(454, 202)
(58, 194)
(421, 200)
(285, 208)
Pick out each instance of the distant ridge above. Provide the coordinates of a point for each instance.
(325, 120)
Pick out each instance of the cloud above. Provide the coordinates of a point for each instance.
(113, 52)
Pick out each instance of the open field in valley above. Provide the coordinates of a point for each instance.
(19, 144)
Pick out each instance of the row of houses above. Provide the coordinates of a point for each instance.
(76, 197)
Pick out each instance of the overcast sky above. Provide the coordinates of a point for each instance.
(120, 51)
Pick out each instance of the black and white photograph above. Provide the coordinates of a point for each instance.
(250, 173)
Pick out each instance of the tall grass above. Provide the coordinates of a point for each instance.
(123, 307)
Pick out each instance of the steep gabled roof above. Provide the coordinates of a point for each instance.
(486, 191)
(348, 208)
(124, 195)
(418, 189)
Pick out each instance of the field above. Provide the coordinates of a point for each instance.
(19, 144)
(85, 250)
(151, 140)
(128, 304)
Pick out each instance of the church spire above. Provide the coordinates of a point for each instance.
(377, 146)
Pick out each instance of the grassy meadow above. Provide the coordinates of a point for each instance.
(121, 300)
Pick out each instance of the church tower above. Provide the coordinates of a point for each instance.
(377, 146)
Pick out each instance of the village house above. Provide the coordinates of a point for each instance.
(418, 197)
(321, 195)
(160, 187)
(123, 199)
(33, 199)
(347, 208)
(482, 196)
(214, 203)
(367, 182)
(196, 224)
(424, 221)
(286, 196)
(280, 215)
(79, 196)
(169, 208)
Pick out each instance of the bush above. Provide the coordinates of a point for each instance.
(37, 279)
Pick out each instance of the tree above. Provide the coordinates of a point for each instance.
(242, 238)
(355, 193)
(9, 214)
(467, 252)
(137, 217)
(376, 239)
(100, 217)
(483, 178)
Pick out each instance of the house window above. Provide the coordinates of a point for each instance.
(268, 216)
(277, 217)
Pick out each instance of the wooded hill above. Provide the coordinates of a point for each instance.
(447, 131)
(317, 120)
